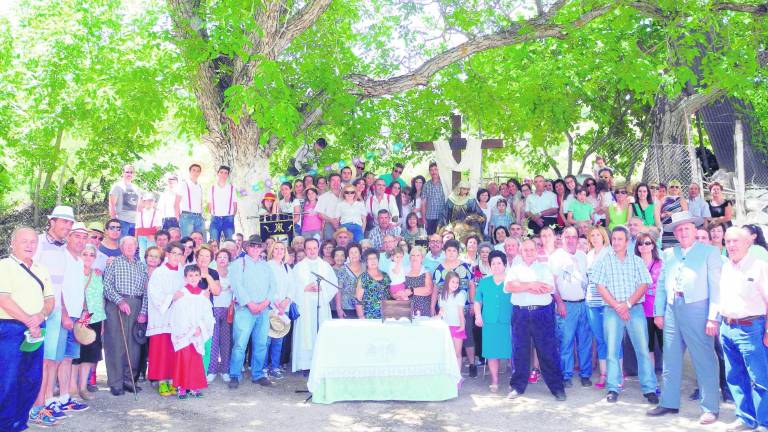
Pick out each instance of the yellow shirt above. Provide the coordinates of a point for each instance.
(22, 287)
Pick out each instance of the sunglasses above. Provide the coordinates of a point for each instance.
(654, 187)
(93, 237)
(621, 192)
(674, 187)
(646, 243)
(349, 192)
(114, 227)
(399, 171)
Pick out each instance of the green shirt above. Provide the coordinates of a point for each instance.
(94, 298)
(582, 211)
(388, 180)
(646, 215)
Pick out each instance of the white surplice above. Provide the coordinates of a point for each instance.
(305, 328)
(190, 312)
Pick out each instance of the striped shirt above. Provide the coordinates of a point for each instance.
(621, 277)
(126, 278)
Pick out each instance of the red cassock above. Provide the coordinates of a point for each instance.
(161, 357)
(189, 373)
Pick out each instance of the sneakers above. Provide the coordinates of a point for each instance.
(42, 417)
(612, 397)
(55, 409)
(196, 393)
(276, 374)
(210, 377)
(164, 389)
(182, 394)
(225, 378)
(533, 378)
(73, 406)
(513, 394)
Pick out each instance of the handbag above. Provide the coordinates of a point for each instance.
(231, 313)
(84, 334)
(293, 312)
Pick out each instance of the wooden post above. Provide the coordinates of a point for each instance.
(740, 186)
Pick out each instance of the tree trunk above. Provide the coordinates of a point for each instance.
(53, 165)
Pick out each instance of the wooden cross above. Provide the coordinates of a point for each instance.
(457, 143)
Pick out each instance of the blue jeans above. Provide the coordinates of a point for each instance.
(575, 328)
(637, 328)
(256, 328)
(20, 379)
(274, 351)
(222, 225)
(356, 230)
(746, 370)
(189, 222)
(170, 222)
(127, 228)
(595, 316)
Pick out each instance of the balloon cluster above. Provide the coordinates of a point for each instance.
(262, 185)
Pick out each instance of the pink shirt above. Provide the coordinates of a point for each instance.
(650, 295)
(311, 220)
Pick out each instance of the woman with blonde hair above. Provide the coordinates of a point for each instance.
(276, 256)
(598, 240)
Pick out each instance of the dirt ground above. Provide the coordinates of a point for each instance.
(253, 408)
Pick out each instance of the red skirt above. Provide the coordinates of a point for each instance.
(189, 373)
(161, 358)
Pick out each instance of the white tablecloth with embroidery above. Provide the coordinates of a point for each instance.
(371, 360)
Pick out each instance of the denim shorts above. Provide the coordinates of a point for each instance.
(59, 342)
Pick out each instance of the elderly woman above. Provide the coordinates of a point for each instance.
(221, 342)
(413, 231)
(720, 208)
(94, 302)
(276, 254)
(347, 275)
(419, 282)
(372, 287)
(493, 313)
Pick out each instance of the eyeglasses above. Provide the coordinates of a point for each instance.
(646, 243)
(256, 245)
(128, 172)
(155, 256)
(654, 187)
(177, 253)
(114, 227)
(621, 192)
(89, 254)
(349, 192)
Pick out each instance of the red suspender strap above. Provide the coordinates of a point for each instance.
(189, 196)
(213, 200)
(231, 196)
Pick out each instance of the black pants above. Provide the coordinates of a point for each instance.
(432, 225)
(539, 325)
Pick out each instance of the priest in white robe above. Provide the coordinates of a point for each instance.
(305, 294)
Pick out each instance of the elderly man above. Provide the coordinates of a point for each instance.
(635, 225)
(125, 292)
(384, 227)
(343, 237)
(387, 251)
(744, 330)
(512, 251)
(254, 288)
(50, 253)
(26, 298)
(435, 256)
(687, 295)
(307, 292)
(531, 284)
(541, 206)
(622, 279)
(381, 200)
(569, 266)
(697, 207)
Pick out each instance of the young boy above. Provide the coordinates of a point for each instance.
(500, 216)
(191, 325)
(580, 212)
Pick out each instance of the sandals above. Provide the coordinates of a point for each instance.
(600, 384)
(493, 388)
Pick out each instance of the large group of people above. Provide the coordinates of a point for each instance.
(539, 277)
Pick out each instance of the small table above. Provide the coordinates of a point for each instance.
(371, 360)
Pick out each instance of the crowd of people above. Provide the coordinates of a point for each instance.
(540, 277)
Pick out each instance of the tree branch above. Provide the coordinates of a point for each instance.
(299, 23)
(536, 28)
(754, 9)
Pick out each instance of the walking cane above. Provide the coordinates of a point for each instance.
(127, 354)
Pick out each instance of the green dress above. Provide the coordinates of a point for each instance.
(374, 292)
(617, 216)
(497, 318)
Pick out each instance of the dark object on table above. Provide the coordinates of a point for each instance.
(396, 309)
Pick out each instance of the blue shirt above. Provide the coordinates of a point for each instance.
(252, 281)
(430, 263)
(621, 278)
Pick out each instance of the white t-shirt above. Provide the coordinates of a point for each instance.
(537, 204)
(166, 203)
(350, 213)
(191, 197)
(570, 273)
(73, 286)
(452, 308)
(222, 199)
(326, 204)
(536, 272)
(387, 202)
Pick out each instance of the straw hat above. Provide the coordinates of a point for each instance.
(62, 212)
(84, 335)
(279, 326)
(683, 217)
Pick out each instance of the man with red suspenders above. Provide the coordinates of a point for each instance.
(189, 203)
(222, 204)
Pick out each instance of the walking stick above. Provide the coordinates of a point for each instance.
(127, 354)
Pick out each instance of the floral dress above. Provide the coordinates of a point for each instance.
(374, 292)
(347, 283)
(420, 305)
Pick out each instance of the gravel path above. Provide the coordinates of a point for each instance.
(253, 408)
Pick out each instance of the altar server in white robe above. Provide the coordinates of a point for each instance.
(305, 294)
